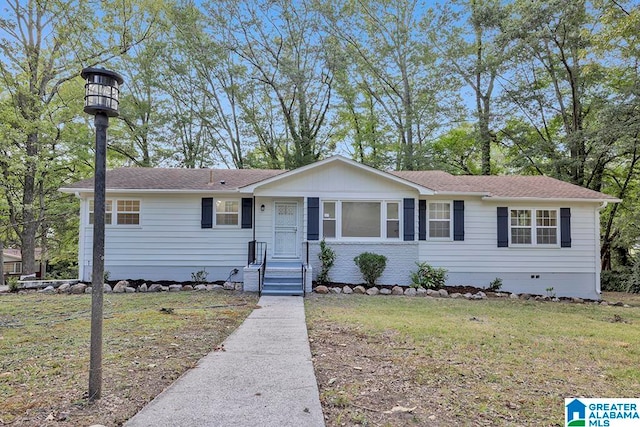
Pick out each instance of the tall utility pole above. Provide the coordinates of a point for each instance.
(102, 93)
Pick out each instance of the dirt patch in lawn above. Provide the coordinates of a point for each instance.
(149, 340)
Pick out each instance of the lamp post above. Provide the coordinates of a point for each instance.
(101, 99)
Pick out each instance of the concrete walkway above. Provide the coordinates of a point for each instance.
(264, 378)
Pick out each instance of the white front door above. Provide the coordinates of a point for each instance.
(286, 230)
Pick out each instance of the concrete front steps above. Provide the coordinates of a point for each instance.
(283, 278)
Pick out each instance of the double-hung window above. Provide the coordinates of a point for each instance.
(108, 211)
(534, 226)
(227, 213)
(361, 219)
(127, 212)
(439, 220)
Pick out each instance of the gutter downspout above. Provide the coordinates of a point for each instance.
(597, 245)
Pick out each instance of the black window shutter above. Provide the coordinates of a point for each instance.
(207, 213)
(458, 220)
(247, 212)
(313, 218)
(565, 227)
(409, 219)
(503, 227)
(422, 220)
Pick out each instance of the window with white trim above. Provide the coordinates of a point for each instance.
(108, 212)
(523, 230)
(328, 220)
(439, 218)
(227, 213)
(127, 212)
(350, 219)
(393, 220)
(16, 268)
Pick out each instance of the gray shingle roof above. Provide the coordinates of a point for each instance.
(507, 186)
(175, 179)
(179, 179)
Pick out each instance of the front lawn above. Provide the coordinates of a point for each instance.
(44, 351)
(444, 362)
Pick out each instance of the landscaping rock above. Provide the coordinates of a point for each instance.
(604, 303)
(119, 287)
(347, 290)
(142, 288)
(106, 288)
(385, 291)
(433, 293)
(130, 290)
(321, 289)
(373, 291)
(155, 287)
(88, 290)
(359, 290)
(164, 288)
(514, 296)
(479, 295)
(525, 296)
(336, 290)
(421, 292)
(216, 288)
(397, 290)
(455, 295)
(411, 292)
(229, 286)
(443, 293)
(78, 288)
(482, 295)
(577, 300)
(201, 287)
(468, 295)
(65, 288)
(48, 290)
(187, 288)
(618, 304)
(175, 288)
(239, 286)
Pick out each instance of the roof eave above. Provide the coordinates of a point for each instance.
(550, 199)
(150, 190)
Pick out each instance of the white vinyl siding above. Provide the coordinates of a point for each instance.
(479, 252)
(171, 245)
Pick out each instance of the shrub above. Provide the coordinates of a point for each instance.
(632, 282)
(13, 284)
(327, 257)
(199, 276)
(428, 277)
(614, 280)
(371, 266)
(495, 285)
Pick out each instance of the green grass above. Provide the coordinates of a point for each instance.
(508, 362)
(44, 350)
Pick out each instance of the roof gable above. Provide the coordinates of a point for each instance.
(335, 163)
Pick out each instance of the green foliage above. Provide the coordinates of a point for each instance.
(62, 269)
(632, 282)
(12, 283)
(614, 280)
(371, 266)
(106, 275)
(199, 276)
(428, 277)
(495, 285)
(550, 292)
(327, 258)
